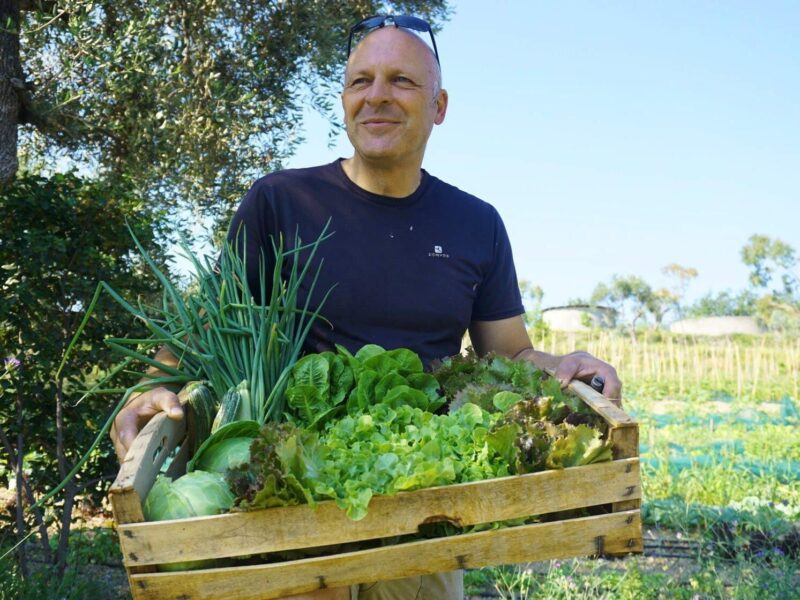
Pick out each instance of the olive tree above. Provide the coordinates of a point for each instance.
(191, 100)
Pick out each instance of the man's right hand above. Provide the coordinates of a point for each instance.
(137, 412)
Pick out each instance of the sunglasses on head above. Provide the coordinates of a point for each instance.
(404, 21)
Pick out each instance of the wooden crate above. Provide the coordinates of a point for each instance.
(616, 530)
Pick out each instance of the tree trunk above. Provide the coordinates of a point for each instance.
(22, 557)
(10, 80)
(37, 512)
(69, 490)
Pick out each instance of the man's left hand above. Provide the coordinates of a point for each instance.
(584, 366)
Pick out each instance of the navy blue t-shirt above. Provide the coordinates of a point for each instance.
(408, 272)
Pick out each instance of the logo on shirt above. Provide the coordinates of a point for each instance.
(438, 252)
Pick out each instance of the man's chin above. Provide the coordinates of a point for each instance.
(377, 154)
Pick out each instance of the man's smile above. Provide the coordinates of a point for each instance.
(378, 123)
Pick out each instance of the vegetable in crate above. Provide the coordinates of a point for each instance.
(197, 494)
(324, 386)
(373, 439)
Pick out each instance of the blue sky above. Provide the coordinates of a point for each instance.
(619, 137)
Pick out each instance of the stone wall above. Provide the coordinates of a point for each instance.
(717, 326)
(573, 318)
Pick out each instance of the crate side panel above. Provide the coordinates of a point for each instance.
(298, 527)
(543, 541)
(146, 456)
(625, 440)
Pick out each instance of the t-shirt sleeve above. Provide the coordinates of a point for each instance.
(250, 233)
(498, 294)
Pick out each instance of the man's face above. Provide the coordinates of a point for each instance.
(391, 98)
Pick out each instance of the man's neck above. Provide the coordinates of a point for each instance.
(392, 181)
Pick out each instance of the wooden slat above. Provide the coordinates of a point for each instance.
(145, 457)
(544, 541)
(143, 461)
(625, 441)
(177, 467)
(297, 527)
(611, 413)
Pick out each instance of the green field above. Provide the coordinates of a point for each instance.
(720, 447)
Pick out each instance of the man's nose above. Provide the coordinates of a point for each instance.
(379, 92)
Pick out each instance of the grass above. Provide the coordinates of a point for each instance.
(721, 469)
(95, 571)
(720, 458)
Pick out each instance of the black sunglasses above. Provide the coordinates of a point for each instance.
(404, 21)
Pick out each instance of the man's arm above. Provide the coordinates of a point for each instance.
(144, 406)
(508, 337)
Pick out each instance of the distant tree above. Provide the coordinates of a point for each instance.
(532, 296)
(768, 258)
(682, 277)
(660, 302)
(724, 304)
(630, 295)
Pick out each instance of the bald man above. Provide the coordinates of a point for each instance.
(415, 262)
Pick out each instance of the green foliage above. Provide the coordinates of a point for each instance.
(89, 549)
(323, 386)
(532, 296)
(44, 584)
(59, 237)
(390, 441)
(227, 448)
(195, 494)
(682, 276)
(767, 258)
(96, 545)
(631, 296)
(779, 307)
(390, 449)
(196, 99)
(724, 304)
(220, 332)
(283, 459)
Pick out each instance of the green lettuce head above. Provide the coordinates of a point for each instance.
(195, 494)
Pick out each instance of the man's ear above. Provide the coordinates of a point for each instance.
(441, 107)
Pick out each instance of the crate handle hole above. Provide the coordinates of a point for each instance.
(430, 522)
(161, 447)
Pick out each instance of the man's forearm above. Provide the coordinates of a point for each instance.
(543, 360)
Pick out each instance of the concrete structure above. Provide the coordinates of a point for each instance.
(717, 326)
(580, 317)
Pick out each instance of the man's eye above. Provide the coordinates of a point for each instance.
(401, 79)
(358, 81)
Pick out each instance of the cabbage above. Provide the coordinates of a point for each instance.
(195, 494)
(225, 455)
(227, 448)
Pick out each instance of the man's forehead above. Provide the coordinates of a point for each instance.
(391, 42)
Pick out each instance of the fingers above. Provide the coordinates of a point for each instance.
(126, 426)
(568, 369)
(166, 401)
(581, 365)
(138, 412)
(613, 388)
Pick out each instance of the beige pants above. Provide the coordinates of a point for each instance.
(441, 586)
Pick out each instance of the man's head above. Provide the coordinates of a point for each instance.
(392, 97)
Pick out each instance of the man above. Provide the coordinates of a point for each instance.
(415, 261)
